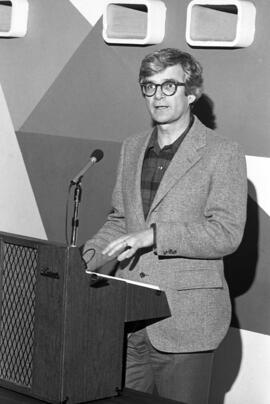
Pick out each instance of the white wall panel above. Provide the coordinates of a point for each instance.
(258, 170)
(92, 10)
(19, 213)
(252, 383)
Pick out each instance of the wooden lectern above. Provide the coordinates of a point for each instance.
(61, 338)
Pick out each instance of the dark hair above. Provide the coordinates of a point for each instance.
(158, 61)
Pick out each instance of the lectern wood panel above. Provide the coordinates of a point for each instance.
(61, 339)
(95, 325)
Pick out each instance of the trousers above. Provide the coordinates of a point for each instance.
(183, 377)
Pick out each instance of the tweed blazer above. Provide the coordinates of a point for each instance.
(199, 211)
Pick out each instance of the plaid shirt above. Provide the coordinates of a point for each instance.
(156, 162)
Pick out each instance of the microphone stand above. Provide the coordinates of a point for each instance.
(96, 156)
(75, 218)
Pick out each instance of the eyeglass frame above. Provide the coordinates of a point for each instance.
(176, 83)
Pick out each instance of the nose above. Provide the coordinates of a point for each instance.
(159, 94)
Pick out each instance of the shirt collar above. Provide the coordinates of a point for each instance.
(153, 142)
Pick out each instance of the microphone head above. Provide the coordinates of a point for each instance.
(97, 155)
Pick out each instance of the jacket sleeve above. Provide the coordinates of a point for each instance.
(114, 227)
(221, 228)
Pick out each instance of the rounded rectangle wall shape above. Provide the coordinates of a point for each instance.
(13, 18)
(220, 23)
(134, 22)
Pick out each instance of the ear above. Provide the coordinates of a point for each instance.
(191, 98)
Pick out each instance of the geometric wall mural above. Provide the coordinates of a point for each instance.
(91, 10)
(30, 65)
(72, 93)
(19, 212)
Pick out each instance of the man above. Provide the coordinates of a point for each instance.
(179, 206)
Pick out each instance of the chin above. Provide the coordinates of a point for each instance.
(161, 121)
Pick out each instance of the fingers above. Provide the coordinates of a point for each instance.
(126, 246)
(116, 247)
(128, 253)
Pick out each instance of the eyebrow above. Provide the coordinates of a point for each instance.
(164, 81)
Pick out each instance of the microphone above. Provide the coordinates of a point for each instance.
(95, 157)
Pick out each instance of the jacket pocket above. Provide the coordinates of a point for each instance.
(194, 279)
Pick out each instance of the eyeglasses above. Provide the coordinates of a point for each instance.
(168, 88)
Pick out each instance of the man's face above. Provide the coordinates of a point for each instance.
(166, 109)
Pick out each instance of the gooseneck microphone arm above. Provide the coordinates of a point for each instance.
(95, 157)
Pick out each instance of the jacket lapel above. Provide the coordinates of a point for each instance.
(187, 155)
(134, 186)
